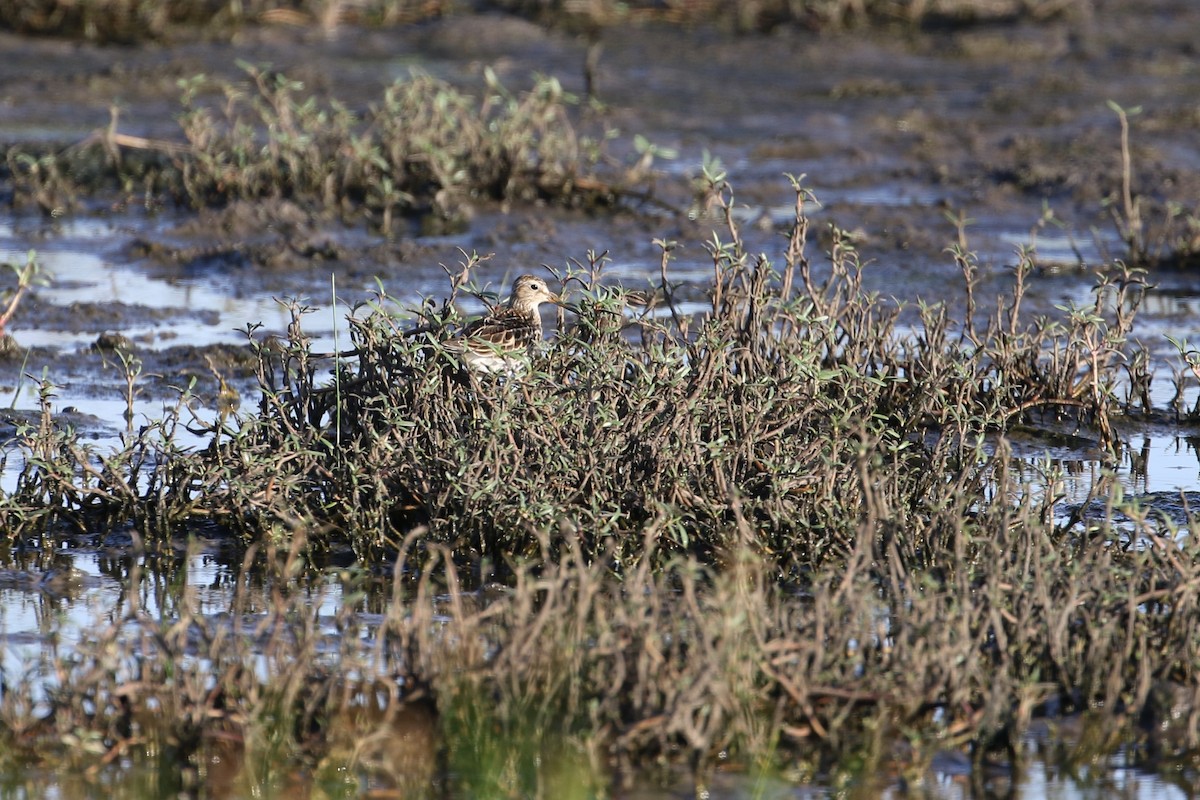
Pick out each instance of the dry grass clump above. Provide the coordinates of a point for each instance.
(870, 662)
(426, 149)
(778, 531)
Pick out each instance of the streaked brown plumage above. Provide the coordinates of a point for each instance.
(500, 341)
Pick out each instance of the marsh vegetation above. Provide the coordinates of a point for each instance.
(768, 523)
(778, 534)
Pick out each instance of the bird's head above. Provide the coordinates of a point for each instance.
(530, 291)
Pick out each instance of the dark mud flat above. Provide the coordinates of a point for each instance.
(893, 128)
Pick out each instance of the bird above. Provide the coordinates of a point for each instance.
(500, 341)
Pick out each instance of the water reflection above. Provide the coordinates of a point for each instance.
(77, 276)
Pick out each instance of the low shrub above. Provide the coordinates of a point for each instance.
(426, 149)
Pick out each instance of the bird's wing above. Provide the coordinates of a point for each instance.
(504, 330)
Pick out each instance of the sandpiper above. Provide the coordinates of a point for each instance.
(500, 341)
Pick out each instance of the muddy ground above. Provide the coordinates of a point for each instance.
(895, 128)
